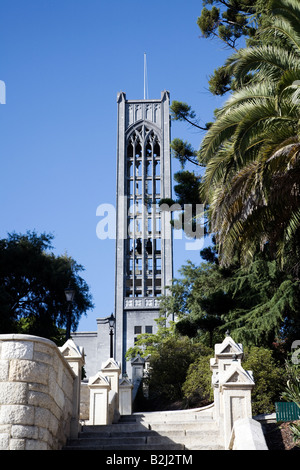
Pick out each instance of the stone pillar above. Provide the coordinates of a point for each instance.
(235, 391)
(111, 370)
(125, 397)
(99, 389)
(232, 386)
(215, 386)
(137, 364)
(225, 353)
(74, 355)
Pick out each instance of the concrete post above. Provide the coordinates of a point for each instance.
(236, 398)
(111, 370)
(74, 355)
(99, 389)
(232, 386)
(125, 397)
(137, 364)
(215, 386)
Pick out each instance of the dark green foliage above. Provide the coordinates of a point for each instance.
(269, 378)
(199, 301)
(183, 112)
(258, 304)
(32, 283)
(169, 367)
(291, 390)
(189, 213)
(251, 151)
(208, 21)
(187, 188)
(267, 304)
(183, 152)
(197, 389)
(171, 355)
(220, 82)
(230, 20)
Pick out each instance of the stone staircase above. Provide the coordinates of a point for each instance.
(164, 430)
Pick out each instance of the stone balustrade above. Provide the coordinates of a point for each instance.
(110, 395)
(247, 434)
(40, 389)
(39, 392)
(233, 386)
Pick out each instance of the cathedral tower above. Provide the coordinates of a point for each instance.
(144, 259)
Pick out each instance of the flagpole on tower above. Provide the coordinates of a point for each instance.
(145, 78)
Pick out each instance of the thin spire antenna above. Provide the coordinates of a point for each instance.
(145, 78)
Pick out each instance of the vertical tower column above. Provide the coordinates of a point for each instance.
(144, 264)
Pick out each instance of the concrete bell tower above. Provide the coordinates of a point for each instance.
(144, 257)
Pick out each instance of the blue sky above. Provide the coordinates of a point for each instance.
(63, 63)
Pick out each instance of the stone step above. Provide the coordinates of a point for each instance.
(179, 430)
(170, 416)
(117, 427)
(154, 426)
(205, 447)
(187, 426)
(108, 441)
(164, 437)
(143, 443)
(185, 436)
(146, 439)
(125, 447)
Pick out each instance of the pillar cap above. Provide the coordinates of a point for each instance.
(111, 365)
(228, 348)
(237, 377)
(99, 381)
(71, 351)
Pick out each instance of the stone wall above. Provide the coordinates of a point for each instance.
(247, 434)
(36, 394)
(84, 401)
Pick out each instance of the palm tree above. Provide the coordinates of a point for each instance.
(251, 152)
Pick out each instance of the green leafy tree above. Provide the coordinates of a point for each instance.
(171, 354)
(32, 283)
(233, 22)
(258, 304)
(200, 304)
(266, 304)
(251, 150)
(147, 343)
(197, 388)
(230, 19)
(183, 152)
(180, 111)
(229, 25)
(268, 376)
(169, 367)
(188, 211)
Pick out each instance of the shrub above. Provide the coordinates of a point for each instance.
(197, 389)
(269, 377)
(169, 367)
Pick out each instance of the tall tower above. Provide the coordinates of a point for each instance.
(144, 258)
